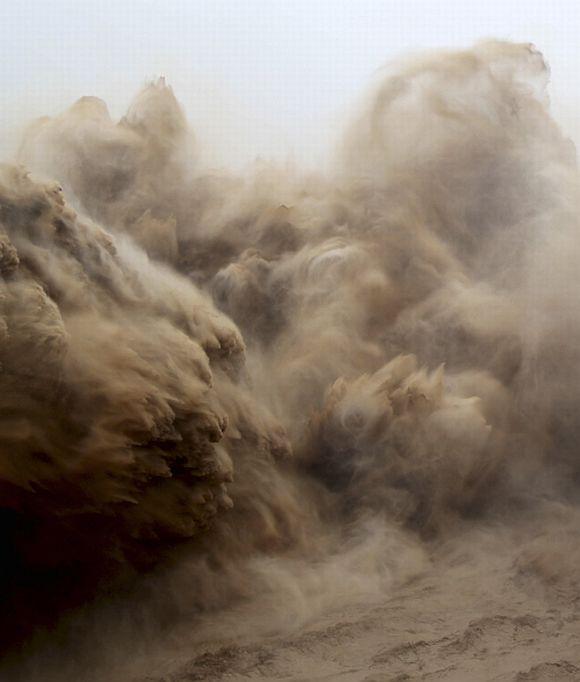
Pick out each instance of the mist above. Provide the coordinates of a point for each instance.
(265, 394)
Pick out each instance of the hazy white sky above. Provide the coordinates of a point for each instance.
(266, 77)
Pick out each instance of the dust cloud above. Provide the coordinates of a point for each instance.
(234, 401)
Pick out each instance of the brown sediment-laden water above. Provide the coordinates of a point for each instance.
(286, 425)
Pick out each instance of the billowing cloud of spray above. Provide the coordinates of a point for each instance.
(252, 364)
(119, 381)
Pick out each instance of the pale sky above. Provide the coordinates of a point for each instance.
(256, 77)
